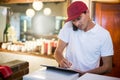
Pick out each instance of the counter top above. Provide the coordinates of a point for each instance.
(37, 54)
(89, 76)
(50, 74)
(45, 74)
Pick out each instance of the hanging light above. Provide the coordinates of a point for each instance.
(30, 12)
(37, 5)
(47, 11)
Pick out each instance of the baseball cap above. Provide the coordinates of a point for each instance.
(75, 9)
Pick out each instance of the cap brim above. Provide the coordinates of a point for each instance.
(72, 18)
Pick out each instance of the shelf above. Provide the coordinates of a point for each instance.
(26, 1)
(37, 54)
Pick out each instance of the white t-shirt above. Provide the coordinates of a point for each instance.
(84, 49)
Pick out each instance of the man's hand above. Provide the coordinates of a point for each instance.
(64, 63)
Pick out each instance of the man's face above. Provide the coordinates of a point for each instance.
(82, 21)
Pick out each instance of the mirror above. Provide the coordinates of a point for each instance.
(39, 25)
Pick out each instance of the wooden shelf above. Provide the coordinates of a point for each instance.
(26, 1)
(37, 54)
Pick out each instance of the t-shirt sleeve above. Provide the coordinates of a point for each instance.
(64, 33)
(107, 47)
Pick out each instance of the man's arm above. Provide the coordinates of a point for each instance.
(105, 68)
(58, 54)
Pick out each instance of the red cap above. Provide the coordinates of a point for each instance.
(75, 9)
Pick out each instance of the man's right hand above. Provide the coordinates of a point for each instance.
(64, 63)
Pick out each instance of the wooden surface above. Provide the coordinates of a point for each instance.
(26, 1)
(37, 54)
(108, 16)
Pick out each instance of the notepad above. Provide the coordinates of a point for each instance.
(54, 68)
(90, 76)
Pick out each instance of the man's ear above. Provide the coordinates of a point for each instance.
(87, 11)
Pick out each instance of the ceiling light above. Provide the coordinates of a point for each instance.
(47, 11)
(37, 5)
(30, 12)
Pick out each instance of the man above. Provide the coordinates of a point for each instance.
(84, 42)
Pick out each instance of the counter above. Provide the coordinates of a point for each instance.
(37, 54)
(47, 74)
(89, 76)
(50, 74)
(35, 60)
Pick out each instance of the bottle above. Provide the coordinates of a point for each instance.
(5, 34)
(49, 50)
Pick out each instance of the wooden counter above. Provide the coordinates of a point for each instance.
(35, 59)
(37, 54)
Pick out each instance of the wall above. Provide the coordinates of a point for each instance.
(91, 9)
(34, 62)
(107, 0)
(15, 22)
(3, 12)
(40, 24)
(43, 24)
(58, 8)
(85, 1)
(89, 4)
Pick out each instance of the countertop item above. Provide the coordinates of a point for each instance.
(89, 76)
(50, 74)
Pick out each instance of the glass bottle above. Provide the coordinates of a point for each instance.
(5, 34)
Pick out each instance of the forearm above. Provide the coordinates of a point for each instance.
(100, 70)
(105, 68)
(58, 56)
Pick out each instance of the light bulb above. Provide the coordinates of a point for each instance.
(47, 11)
(37, 5)
(30, 12)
